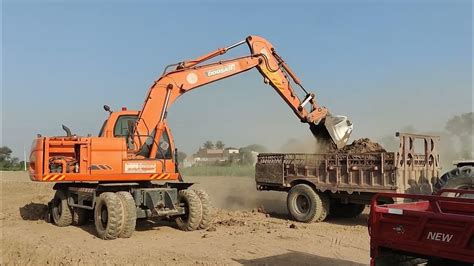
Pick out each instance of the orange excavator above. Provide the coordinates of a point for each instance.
(130, 170)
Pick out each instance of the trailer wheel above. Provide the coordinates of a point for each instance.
(108, 215)
(207, 215)
(325, 207)
(349, 210)
(305, 205)
(192, 219)
(61, 211)
(458, 178)
(79, 216)
(129, 214)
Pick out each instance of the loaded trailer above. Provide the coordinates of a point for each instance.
(342, 184)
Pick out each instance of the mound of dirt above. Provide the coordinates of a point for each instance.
(34, 211)
(363, 145)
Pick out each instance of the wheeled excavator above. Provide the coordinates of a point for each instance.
(130, 170)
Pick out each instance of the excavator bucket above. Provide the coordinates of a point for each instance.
(336, 128)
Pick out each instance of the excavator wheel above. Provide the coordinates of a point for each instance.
(306, 205)
(61, 211)
(108, 216)
(193, 217)
(80, 216)
(207, 215)
(129, 214)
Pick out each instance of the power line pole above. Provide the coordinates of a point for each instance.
(24, 158)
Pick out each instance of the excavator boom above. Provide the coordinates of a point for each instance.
(192, 74)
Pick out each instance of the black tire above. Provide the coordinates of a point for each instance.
(349, 210)
(129, 214)
(192, 219)
(458, 178)
(80, 216)
(325, 208)
(61, 212)
(306, 205)
(207, 214)
(108, 215)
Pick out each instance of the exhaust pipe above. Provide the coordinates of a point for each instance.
(68, 131)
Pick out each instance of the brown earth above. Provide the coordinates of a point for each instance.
(363, 145)
(250, 228)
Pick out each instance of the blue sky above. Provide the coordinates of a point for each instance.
(385, 64)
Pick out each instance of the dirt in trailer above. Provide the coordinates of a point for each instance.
(250, 228)
(363, 145)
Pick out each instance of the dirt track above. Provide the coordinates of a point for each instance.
(241, 236)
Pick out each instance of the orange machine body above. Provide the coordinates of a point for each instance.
(138, 145)
(102, 158)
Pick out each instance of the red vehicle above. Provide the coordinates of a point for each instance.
(438, 229)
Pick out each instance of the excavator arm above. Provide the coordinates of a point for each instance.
(192, 74)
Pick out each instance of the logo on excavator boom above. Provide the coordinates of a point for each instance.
(224, 69)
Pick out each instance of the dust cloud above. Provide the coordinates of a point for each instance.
(240, 193)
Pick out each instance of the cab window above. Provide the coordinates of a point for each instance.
(121, 126)
(164, 147)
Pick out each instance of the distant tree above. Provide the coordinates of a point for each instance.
(220, 145)
(462, 126)
(208, 145)
(6, 161)
(246, 154)
(5, 153)
(181, 156)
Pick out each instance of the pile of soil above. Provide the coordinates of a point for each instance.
(34, 211)
(363, 145)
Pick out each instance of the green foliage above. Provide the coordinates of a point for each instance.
(7, 162)
(246, 157)
(220, 145)
(5, 153)
(208, 145)
(215, 170)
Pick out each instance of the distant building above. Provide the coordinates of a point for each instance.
(209, 155)
(228, 152)
(203, 155)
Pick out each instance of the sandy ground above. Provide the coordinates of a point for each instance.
(240, 234)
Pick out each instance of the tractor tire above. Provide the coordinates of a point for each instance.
(192, 219)
(108, 216)
(326, 207)
(207, 214)
(61, 212)
(306, 205)
(129, 214)
(80, 216)
(349, 210)
(458, 178)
